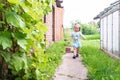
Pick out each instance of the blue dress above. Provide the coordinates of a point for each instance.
(76, 39)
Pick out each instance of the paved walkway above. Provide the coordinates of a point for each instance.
(71, 69)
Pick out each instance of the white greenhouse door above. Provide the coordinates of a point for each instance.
(109, 41)
(101, 34)
(105, 33)
(115, 32)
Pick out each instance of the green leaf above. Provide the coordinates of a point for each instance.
(14, 1)
(2, 22)
(48, 1)
(5, 40)
(6, 43)
(5, 55)
(22, 43)
(42, 44)
(48, 9)
(19, 35)
(22, 24)
(16, 62)
(14, 19)
(41, 27)
(37, 74)
(1, 6)
(24, 59)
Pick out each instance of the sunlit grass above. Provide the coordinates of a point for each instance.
(100, 65)
(92, 37)
(54, 55)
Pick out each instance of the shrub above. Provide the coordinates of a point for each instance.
(89, 29)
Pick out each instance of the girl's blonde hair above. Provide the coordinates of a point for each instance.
(77, 25)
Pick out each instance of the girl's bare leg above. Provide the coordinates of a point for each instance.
(75, 52)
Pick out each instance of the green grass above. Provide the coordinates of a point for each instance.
(54, 54)
(100, 65)
(93, 37)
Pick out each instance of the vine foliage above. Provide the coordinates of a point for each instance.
(22, 38)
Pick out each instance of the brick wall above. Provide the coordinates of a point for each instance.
(58, 23)
(49, 22)
(54, 22)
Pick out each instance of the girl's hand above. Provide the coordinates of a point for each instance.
(68, 42)
(84, 38)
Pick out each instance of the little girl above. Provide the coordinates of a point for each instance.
(75, 37)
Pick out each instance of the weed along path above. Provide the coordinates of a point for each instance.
(71, 69)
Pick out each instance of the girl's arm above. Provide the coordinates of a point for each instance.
(82, 36)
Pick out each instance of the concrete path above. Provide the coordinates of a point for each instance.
(71, 69)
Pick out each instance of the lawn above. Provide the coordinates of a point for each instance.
(100, 65)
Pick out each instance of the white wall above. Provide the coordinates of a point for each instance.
(110, 33)
(101, 34)
(115, 32)
(105, 33)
